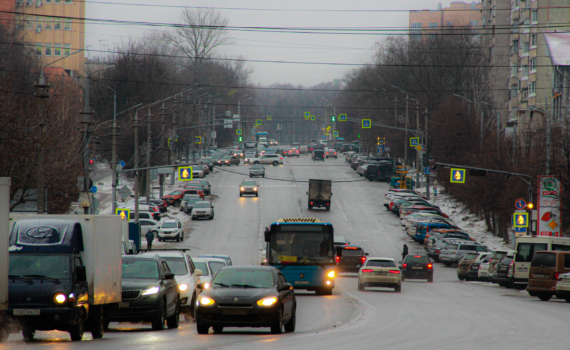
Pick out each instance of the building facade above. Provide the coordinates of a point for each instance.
(55, 28)
(458, 14)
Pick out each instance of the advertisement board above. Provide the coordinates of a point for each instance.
(548, 206)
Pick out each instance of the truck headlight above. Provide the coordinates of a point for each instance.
(269, 301)
(59, 298)
(330, 274)
(183, 287)
(151, 291)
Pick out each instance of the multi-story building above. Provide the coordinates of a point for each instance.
(55, 28)
(458, 14)
(531, 69)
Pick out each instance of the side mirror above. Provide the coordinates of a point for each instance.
(198, 272)
(286, 287)
(203, 285)
(169, 276)
(80, 274)
(307, 193)
(212, 207)
(267, 235)
(366, 254)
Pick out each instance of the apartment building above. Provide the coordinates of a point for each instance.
(458, 14)
(533, 24)
(55, 28)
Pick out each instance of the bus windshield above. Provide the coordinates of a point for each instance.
(307, 248)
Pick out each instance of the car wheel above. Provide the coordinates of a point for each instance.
(257, 194)
(290, 326)
(275, 163)
(193, 217)
(177, 203)
(218, 329)
(447, 263)
(211, 217)
(240, 194)
(201, 329)
(263, 175)
(567, 299)
(28, 333)
(178, 238)
(544, 296)
(403, 278)
(277, 328)
(430, 279)
(97, 322)
(360, 286)
(250, 176)
(174, 321)
(76, 331)
(398, 288)
(159, 318)
(461, 278)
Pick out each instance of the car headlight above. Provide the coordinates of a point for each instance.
(269, 301)
(207, 301)
(330, 274)
(183, 287)
(59, 298)
(243, 189)
(255, 188)
(151, 291)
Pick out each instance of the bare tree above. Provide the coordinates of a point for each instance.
(203, 30)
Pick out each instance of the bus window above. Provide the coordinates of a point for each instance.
(525, 251)
(561, 248)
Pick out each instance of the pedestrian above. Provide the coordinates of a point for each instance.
(149, 238)
(405, 252)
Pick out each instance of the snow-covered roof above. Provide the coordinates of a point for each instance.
(559, 48)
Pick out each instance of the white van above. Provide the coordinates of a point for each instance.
(526, 246)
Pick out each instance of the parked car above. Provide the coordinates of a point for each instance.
(226, 258)
(439, 246)
(188, 202)
(257, 170)
(203, 210)
(563, 287)
(424, 227)
(150, 293)
(452, 253)
(175, 197)
(331, 153)
(502, 271)
(209, 161)
(380, 272)
(197, 172)
(468, 266)
(249, 187)
(206, 186)
(271, 300)
(159, 203)
(171, 230)
(497, 256)
(483, 272)
(148, 224)
(146, 211)
(417, 267)
(352, 259)
(545, 270)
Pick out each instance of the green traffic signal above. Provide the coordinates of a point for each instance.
(333, 118)
(240, 139)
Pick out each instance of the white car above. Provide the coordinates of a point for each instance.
(380, 272)
(483, 273)
(186, 274)
(274, 159)
(148, 224)
(209, 267)
(202, 210)
(197, 172)
(171, 230)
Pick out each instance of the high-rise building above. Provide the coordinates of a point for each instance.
(55, 28)
(458, 14)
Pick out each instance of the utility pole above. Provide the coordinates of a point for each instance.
(548, 134)
(114, 154)
(482, 130)
(148, 151)
(426, 116)
(406, 134)
(498, 130)
(396, 112)
(173, 140)
(41, 92)
(136, 126)
(418, 167)
(87, 120)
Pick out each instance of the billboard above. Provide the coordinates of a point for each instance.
(548, 206)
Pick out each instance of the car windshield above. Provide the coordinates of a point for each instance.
(257, 167)
(169, 225)
(243, 279)
(202, 205)
(202, 266)
(216, 265)
(193, 200)
(227, 157)
(177, 266)
(352, 252)
(470, 256)
(506, 260)
(138, 268)
(417, 259)
(248, 183)
(204, 183)
(175, 193)
(380, 263)
(49, 265)
(544, 260)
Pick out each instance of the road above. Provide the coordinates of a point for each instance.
(445, 314)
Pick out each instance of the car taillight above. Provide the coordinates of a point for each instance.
(556, 276)
(363, 259)
(437, 251)
(430, 266)
(328, 203)
(404, 265)
(453, 252)
(397, 272)
(367, 270)
(479, 267)
(337, 258)
(311, 203)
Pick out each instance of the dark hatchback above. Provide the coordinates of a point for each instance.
(352, 258)
(417, 267)
(502, 272)
(247, 296)
(150, 293)
(319, 154)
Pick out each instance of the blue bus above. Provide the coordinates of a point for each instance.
(303, 249)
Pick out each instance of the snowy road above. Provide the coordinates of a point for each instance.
(445, 314)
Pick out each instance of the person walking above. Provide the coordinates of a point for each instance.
(149, 238)
(405, 252)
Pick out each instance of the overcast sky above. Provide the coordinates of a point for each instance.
(298, 47)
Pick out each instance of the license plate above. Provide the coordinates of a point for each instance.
(124, 305)
(380, 273)
(417, 268)
(539, 275)
(235, 312)
(301, 282)
(27, 312)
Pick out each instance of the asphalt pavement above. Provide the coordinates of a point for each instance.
(445, 314)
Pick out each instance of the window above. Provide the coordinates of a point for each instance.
(39, 23)
(48, 1)
(525, 251)
(515, 47)
(67, 24)
(514, 70)
(533, 40)
(514, 90)
(47, 51)
(531, 88)
(566, 261)
(525, 47)
(67, 1)
(534, 16)
(57, 49)
(561, 248)
(526, 21)
(515, 27)
(474, 23)
(532, 64)
(38, 49)
(433, 25)
(29, 23)
(66, 49)
(57, 23)
(543, 260)
(525, 71)
(449, 23)
(48, 23)
(58, 1)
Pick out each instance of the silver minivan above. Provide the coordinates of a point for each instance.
(452, 253)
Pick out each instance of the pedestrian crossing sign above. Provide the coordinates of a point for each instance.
(520, 220)
(335, 133)
(185, 173)
(457, 176)
(197, 140)
(238, 132)
(307, 115)
(269, 117)
(312, 117)
(366, 123)
(414, 141)
(258, 122)
(342, 117)
(123, 213)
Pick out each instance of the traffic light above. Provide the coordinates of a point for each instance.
(378, 140)
(359, 135)
(240, 138)
(333, 118)
(425, 159)
(91, 161)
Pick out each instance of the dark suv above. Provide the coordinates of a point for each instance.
(150, 293)
(353, 257)
(417, 267)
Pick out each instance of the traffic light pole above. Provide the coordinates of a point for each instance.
(426, 116)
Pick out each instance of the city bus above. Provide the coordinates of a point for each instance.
(303, 250)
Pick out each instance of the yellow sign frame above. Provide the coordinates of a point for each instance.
(313, 118)
(269, 117)
(184, 177)
(453, 176)
(517, 217)
(121, 212)
(369, 123)
(342, 117)
(199, 139)
(258, 122)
